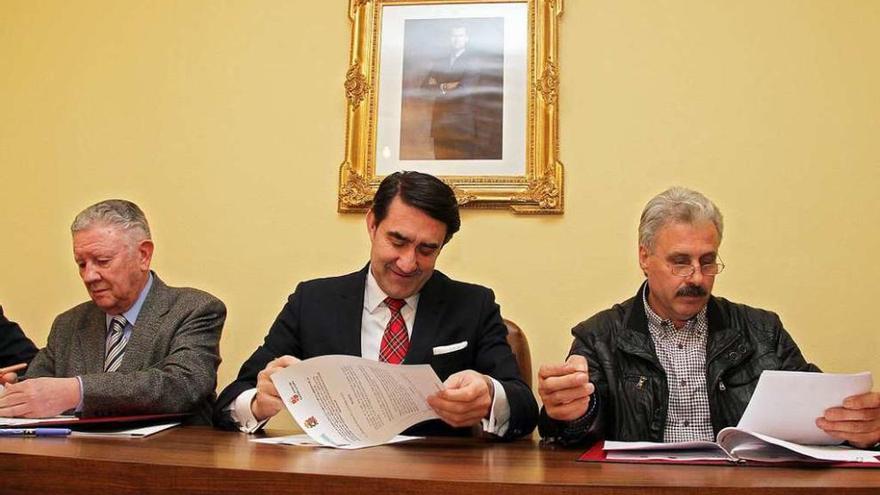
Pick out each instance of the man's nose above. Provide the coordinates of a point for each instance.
(697, 277)
(407, 261)
(89, 274)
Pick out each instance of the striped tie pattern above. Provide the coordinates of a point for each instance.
(116, 341)
(395, 340)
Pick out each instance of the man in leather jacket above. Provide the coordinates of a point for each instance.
(675, 363)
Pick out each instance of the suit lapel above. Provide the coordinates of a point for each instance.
(349, 313)
(92, 341)
(424, 332)
(146, 327)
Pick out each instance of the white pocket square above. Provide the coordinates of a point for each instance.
(446, 349)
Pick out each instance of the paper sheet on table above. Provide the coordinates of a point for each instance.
(303, 440)
(785, 404)
(6, 421)
(351, 402)
(143, 431)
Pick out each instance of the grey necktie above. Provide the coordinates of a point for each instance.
(115, 343)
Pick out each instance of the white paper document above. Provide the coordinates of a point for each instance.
(778, 426)
(6, 421)
(303, 440)
(350, 402)
(785, 404)
(757, 447)
(141, 432)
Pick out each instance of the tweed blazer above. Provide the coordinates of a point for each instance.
(170, 362)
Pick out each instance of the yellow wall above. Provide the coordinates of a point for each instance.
(225, 122)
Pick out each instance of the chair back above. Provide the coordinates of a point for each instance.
(519, 344)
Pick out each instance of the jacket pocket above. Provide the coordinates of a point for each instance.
(637, 411)
(449, 363)
(639, 395)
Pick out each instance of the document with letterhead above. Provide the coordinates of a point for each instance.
(350, 402)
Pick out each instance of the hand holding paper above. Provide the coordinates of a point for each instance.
(267, 402)
(350, 402)
(857, 421)
(465, 400)
(785, 404)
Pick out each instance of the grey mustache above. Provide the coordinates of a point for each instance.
(691, 291)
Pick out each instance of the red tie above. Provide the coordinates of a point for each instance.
(395, 340)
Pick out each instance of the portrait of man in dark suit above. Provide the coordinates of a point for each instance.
(397, 309)
(137, 346)
(453, 79)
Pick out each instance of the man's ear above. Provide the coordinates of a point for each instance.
(643, 259)
(371, 223)
(145, 254)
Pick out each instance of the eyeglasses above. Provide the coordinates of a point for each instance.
(685, 271)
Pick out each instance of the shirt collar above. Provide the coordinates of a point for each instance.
(697, 323)
(132, 314)
(374, 296)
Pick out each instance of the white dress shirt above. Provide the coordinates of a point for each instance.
(374, 319)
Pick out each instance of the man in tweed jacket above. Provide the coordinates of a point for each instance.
(138, 347)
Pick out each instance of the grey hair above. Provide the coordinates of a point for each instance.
(677, 204)
(117, 212)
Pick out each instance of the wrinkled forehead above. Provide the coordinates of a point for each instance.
(103, 237)
(693, 238)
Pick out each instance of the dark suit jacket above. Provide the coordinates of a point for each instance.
(14, 346)
(453, 117)
(170, 362)
(324, 317)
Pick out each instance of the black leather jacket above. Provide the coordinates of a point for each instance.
(631, 388)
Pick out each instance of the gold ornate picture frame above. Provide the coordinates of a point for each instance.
(465, 90)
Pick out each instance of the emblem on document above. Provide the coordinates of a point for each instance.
(311, 422)
(294, 399)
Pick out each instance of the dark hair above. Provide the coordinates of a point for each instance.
(422, 191)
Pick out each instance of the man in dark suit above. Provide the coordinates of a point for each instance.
(15, 347)
(454, 81)
(138, 347)
(397, 308)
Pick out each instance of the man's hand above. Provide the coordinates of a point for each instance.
(565, 389)
(39, 397)
(449, 86)
(8, 375)
(466, 399)
(857, 421)
(267, 402)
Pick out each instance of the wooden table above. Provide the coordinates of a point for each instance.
(202, 460)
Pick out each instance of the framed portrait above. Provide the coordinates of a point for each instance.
(464, 90)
